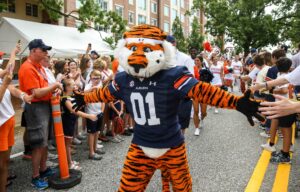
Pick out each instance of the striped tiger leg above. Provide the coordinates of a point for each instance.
(137, 171)
(176, 162)
(165, 177)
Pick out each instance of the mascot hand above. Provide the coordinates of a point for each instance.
(78, 100)
(249, 107)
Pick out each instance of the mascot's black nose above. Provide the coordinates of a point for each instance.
(137, 67)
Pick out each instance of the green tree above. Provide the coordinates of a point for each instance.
(195, 40)
(247, 22)
(88, 13)
(177, 32)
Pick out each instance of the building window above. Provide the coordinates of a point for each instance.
(166, 27)
(141, 19)
(182, 17)
(153, 21)
(119, 10)
(174, 14)
(166, 10)
(103, 5)
(32, 10)
(131, 2)
(10, 5)
(174, 2)
(130, 17)
(182, 3)
(142, 4)
(153, 7)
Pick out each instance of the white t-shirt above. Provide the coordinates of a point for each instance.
(296, 60)
(237, 66)
(282, 86)
(294, 76)
(50, 77)
(261, 76)
(183, 59)
(93, 108)
(216, 70)
(253, 74)
(6, 107)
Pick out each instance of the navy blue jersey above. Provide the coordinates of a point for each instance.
(153, 103)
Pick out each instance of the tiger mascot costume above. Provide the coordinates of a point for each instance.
(151, 87)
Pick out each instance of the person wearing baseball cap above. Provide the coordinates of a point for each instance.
(38, 44)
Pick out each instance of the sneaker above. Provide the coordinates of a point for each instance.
(51, 147)
(216, 111)
(99, 146)
(52, 156)
(280, 159)
(47, 173)
(76, 141)
(120, 138)
(115, 140)
(75, 167)
(197, 132)
(268, 147)
(39, 184)
(127, 133)
(99, 141)
(100, 151)
(81, 137)
(131, 129)
(95, 157)
(264, 134)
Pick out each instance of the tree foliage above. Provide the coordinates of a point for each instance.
(88, 13)
(195, 40)
(177, 32)
(248, 23)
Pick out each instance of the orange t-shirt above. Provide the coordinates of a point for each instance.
(196, 73)
(115, 65)
(33, 76)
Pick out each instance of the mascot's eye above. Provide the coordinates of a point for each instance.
(147, 50)
(133, 48)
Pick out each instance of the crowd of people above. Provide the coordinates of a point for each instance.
(42, 77)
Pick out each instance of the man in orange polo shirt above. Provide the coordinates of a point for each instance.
(33, 80)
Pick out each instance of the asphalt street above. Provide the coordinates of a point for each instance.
(221, 159)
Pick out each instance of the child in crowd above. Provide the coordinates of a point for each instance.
(228, 77)
(69, 118)
(117, 109)
(93, 127)
(285, 123)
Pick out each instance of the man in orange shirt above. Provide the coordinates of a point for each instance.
(33, 80)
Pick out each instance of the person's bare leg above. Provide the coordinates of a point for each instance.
(287, 135)
(36, 161)
(4, 155)
(44, 157)
(273, 130)
(95, 136)
(68, 142)
(196, 114)
(91, 144)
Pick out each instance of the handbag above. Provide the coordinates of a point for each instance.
(118, 125)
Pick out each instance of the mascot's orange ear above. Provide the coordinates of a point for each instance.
(145, 31)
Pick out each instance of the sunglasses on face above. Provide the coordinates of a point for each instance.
(95, 78)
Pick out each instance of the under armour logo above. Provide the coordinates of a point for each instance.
(152, 83)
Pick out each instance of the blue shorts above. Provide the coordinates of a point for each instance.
(94, 126)
(184, 113)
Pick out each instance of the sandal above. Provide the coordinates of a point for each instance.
(75, 162)
(95, 157)
(75, 167)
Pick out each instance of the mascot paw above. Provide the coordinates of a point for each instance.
(78, 100)
(249, 107)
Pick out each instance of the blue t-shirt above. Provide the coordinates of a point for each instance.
(153, 103)
(272, 73)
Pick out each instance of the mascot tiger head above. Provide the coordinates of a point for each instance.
(143, 51)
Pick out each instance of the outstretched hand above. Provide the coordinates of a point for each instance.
(78, 100)
(249, 107)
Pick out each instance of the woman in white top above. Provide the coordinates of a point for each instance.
(7, 120)
(217, 69)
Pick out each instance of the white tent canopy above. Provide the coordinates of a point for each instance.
(65, 41)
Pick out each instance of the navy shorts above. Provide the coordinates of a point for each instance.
(184, 113)
(94, 126)
(287, 121)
